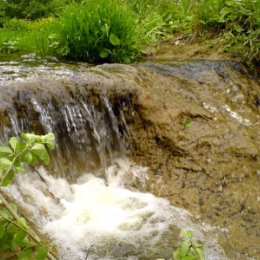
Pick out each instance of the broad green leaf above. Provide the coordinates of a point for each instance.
(20, 146)
(28, 158)
(189, 257)
(114, 40)
(5, 213)
(41, 253)
(2, 229)
(40, 151)
(49, 140)
(13, 207)
(5, 163)
(20, 169)
(13, 142)
(5, 150)
(104, 53)
(187, 123)
(8, 178)
(22, 223)
(184, 247)
(29, 137)
(19, 238)
(127, 59)
(26, 255)
(186, 234)
(200, 252)
(177, 255)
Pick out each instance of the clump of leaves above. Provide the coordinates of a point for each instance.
(188, 249)
(99, 31)
(9, 46)
(30, 149)
(17, 239)
(187, 123)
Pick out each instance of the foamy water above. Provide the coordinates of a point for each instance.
(92, 220)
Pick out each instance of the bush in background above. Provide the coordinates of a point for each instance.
(30, 9)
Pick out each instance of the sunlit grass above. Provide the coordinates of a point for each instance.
(27, 36)
(118, 30)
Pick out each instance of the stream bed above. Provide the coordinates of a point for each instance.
(128, 124)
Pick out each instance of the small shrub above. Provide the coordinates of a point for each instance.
(207, 14)
(99, 30)
(17, 239)
(16, 25)
(28, 36)
(243, 28)
(188, 249)
(30, 9)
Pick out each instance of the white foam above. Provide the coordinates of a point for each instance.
(90, 220)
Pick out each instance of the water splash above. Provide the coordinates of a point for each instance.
(89, 220)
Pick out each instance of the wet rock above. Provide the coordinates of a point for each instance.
(209, 168)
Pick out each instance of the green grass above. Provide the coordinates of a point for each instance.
(99, 30)
(118, 30)
(27, 36)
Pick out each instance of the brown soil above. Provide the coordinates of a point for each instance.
(188, 47)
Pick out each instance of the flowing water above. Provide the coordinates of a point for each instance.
(91, 220)
(93, 202)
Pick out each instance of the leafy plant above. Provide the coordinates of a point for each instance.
(243, 28)
(30, 9)
(28, 36)
(187, 123)
(187, 249)
(9, 46)
(99, 30)
(17, 239)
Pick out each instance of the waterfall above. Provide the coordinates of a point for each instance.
(84, 215)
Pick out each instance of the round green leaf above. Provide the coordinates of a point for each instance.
(40, 151)
(13, 142)
(8, 178)
(114, 40)
(5, 150)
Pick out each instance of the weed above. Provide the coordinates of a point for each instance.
(188, 249)
(117, 30)
(16, 237)
(99, 30)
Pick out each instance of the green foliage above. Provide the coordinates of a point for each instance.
(16, 237)
(206, 14)
(30, 149)
(187, 249)
(98, 30)
(242, 21)
(239, 20)
(118, 30)
(187, 123)
(30, 9)
(27, 36)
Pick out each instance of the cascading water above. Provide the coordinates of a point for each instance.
(92, 220)
(89, 204)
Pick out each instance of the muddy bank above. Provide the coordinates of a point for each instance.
(195, 124)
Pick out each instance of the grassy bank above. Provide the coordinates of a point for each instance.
(119, 30)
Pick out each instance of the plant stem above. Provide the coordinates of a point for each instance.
(13, 162)
(32, 234)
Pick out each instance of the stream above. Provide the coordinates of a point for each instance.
(128, 173)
